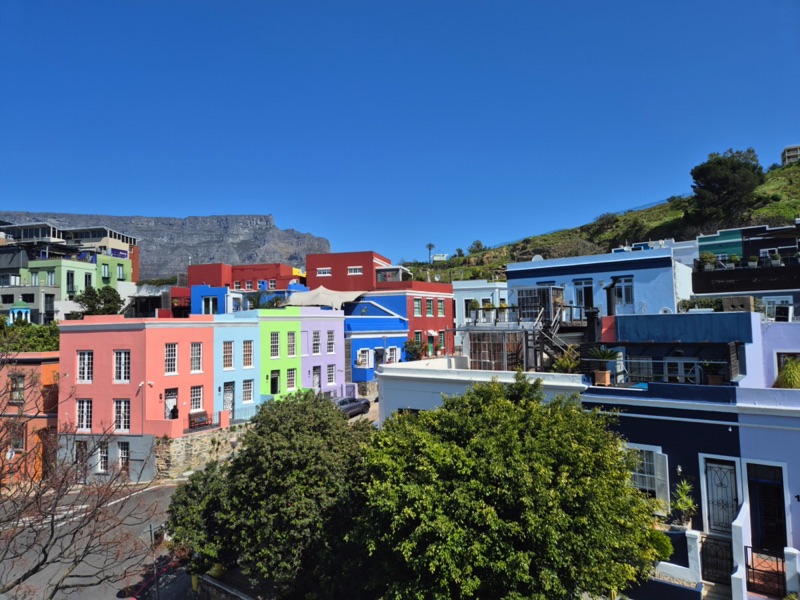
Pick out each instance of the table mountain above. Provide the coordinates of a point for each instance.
(169, 244)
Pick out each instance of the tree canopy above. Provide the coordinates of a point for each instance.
(105, 301)
(500, 495)
(724, 185)
(22, 336)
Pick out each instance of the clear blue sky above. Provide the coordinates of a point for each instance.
(385, 125)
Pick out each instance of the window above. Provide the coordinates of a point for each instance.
(583, 293)
(274, 344)
(122, 415)
(391, 354)
(122, 366)
(196, 396)
(87, 280)
(640, 368)
(120, 273)
(275, 382)
(85, 366)
(196, 362)
(770, 302)
(324, 272)
(84, 414)
(651, 474)
(623, 291)
(16, 436)
(7, 298)
(272, 284)
(417, 307)
(331, 342)
(315, 343)
(247, 353)
(124, 449)
(418, 337)
(35, 278)
(441, 340)
(227, 355)
(291, 379)
(364, 358)
(248, 285)
(106, 273)
(102, 462)
(210, 306)
(170, 359)
(331, 374)
(291, 343)
(237, 285)
(440, 307)
(17, 388)
(783, 357)
(247, 391)
(428, 307)
(355, 271)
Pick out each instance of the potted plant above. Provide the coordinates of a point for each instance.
(488, 312)
(474, 306)
(789, 375)
(775, 259)
(709, 260)
(502, 311)
(733, 260)
(602, 355)
(713, 373)
(683, 505)
(752, 261)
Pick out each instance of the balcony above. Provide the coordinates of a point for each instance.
(743, 279)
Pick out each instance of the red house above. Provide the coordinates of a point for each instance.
(351, 271)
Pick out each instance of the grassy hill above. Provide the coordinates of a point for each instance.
(775, 202)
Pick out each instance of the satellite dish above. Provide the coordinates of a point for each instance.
(537, 258)
(665, 310)
(436, 278)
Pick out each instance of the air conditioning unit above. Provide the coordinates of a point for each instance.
(738, 304)
(784, 313)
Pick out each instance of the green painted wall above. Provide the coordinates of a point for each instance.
(112, 262)
(282, 321)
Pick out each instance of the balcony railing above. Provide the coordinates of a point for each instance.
(743, 278)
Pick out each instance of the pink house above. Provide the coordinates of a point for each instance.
(125, 382)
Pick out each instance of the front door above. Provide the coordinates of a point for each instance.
(316, 378)
(723, 499)
(170, 403)
(767, 507)
(227, 396)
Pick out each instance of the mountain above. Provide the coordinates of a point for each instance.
(168, 244)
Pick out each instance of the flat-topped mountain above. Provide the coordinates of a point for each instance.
(168, 245)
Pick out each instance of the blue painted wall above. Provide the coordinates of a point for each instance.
(366, 323)
(687, 327)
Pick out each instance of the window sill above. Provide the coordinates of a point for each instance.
(85, 382)
(122, 381)
(195, 372)
(170, 374)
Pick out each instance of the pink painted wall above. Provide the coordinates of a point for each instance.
(145, 338)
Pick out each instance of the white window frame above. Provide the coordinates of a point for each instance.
(274, 344)
(272, 284)
(247, 391)
(247, 354)
(84, 414)
(85, 366)
(291, 344)
(316, 343)
(417, 307)
(16, 382)
(196, 398)
(324, 272)
(196, 357)
(657, 481)
(122, 366)
(120, 273)
(102, 457)
(440, 307)
(355, 270)
(331, 371)
(122, 414)
(237, 285)
(392, 354)
(171, 358)
(291, 379)
(124, 456)
(770, 302)
(331, 345)
(248, 285)
(429, 307)
(364, 359)
(623, 291)
(227, 356)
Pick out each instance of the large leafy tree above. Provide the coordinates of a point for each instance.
(724, 185)
(500, 495)
(284, 504)
(22, 336)
(105, 301)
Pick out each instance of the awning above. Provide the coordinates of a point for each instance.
(432, 332)
(322, 296)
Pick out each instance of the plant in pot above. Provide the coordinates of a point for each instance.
(488, 312)
(474, 306)
(775, 259)
(733, 260)
(568, 362)
(683, 505)
(789, 375)
(752, 261)
(709, 260)
(502, 311)
(602, 356)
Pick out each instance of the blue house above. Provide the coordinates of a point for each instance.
(374, 335)
(237, 360)
(208, 300)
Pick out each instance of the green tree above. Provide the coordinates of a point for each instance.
(430, 248)
(292, 494)
(476, 247)
(22, 336)
(413, 350)
(500, 495)
(724, 185)
(105, 301)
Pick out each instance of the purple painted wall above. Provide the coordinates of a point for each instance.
(322, 320)
(777, 337)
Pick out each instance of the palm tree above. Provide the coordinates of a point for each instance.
(430, 248)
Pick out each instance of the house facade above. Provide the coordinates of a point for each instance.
(352, 271)
(237, 365)
(470, 296)
(126, 382)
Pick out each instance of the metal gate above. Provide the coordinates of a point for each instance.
(716, 560)
(723, 499)
(766, 571)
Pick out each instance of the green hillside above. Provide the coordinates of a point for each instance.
(774, 202)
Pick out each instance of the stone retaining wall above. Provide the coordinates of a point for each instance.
(174, 457)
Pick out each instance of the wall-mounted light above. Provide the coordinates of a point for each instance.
(219, 389)
(679, 470)
(161, 396)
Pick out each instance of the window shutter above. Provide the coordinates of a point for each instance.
(662, 481)
(733, 357)
(370, 359)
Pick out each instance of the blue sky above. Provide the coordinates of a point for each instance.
(386, 125)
